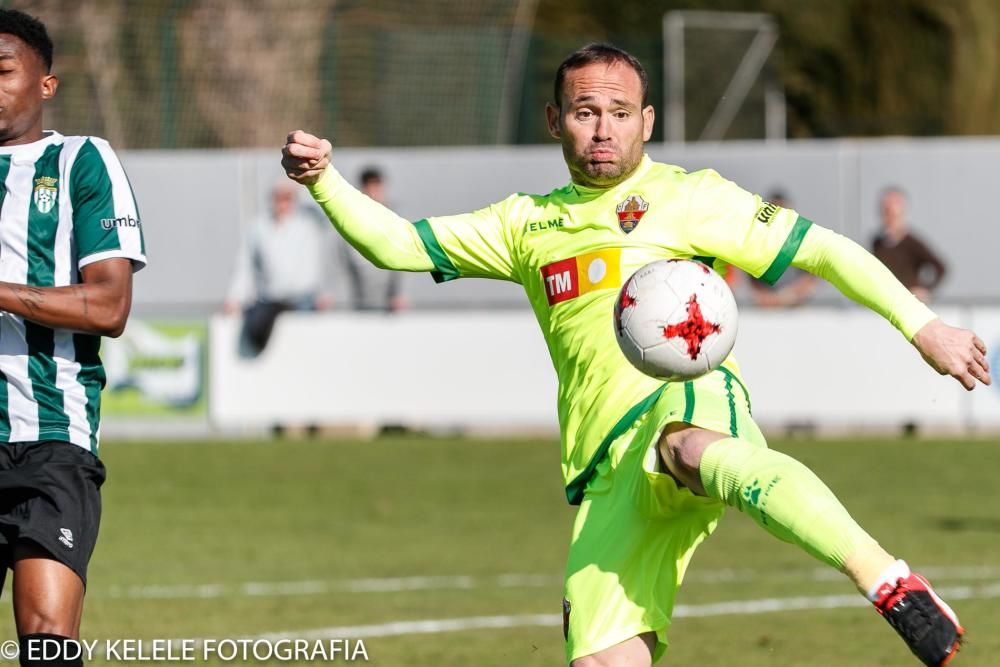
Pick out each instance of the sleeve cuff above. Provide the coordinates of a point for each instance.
(913, 318)
(327, 185)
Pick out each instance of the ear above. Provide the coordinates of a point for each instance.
(648, 117)
(552, 113)
(49, 84)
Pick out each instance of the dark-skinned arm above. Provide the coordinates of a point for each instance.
(99, 305)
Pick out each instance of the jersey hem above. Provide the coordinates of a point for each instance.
(60, 436)
(787, 252)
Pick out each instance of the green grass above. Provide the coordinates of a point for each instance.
(184, 514)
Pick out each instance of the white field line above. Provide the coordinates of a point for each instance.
(729, 608)
(461, 582)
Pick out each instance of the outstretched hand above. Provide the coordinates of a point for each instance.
(952, 351)
(305, 157)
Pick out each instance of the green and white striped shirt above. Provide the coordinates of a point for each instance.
(65, 202)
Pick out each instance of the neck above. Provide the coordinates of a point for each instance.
(30, 136)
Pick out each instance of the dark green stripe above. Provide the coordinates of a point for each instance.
(707, 261)
(92, 377)
(445, 269)
(4, 411)
(53, 423)
(575, 489)
(787, 252)
(732, 404)
(688, 402)
(746, 394)
(93, 200)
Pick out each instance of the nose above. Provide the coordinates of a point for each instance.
(602, 130)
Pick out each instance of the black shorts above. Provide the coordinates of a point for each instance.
(50, 495)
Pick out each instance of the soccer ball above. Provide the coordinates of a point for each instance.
(675, 319)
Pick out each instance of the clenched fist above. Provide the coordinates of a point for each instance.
(305, 157)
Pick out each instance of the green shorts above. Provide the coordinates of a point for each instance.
(636, 530)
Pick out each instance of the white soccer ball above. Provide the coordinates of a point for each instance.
(676, 319)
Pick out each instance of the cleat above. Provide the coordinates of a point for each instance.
(928, 626)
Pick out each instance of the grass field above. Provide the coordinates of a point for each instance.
(254, 538)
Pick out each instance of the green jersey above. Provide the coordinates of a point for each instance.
(573, 248)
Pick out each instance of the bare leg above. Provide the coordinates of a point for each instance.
(634, 652)
(48, 596)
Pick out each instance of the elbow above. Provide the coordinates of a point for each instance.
(111, 324)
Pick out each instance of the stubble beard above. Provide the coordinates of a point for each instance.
(605, 174)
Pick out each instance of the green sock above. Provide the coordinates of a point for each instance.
(784, 497)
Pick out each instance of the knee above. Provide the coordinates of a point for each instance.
(38, 621)
(683, 445)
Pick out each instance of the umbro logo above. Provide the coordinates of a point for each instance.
(67, 537)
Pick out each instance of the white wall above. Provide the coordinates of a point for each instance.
(831, 367)
(194, 202)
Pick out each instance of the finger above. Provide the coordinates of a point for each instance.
(981, 373)
(304, 151)
(980, 345)
(967, 380)
(302, 137)
(979, 359)
(297, 166)
(297, 173)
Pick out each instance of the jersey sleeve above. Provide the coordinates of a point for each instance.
(725, 221)
(106, 220)
(470, 245)
(860, 276)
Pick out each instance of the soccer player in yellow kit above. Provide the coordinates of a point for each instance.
(652, 465)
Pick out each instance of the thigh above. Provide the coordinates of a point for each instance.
(48, 595)
(632, 540)
(717, 401)
(58, 511)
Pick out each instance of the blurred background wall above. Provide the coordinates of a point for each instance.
(826, 101)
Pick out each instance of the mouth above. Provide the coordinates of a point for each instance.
(601, 155)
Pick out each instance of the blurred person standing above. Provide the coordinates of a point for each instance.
(372, 288)
(279, 267)
(794, 288)
(70, 239)
(908, 257)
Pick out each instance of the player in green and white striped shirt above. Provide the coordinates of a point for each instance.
(70, 239)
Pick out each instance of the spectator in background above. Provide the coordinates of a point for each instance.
(279, 267)
(910, 259)
(793, 288)
(371, 288)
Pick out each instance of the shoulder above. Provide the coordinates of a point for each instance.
(682, 180)
(88, 150)
(87, 143)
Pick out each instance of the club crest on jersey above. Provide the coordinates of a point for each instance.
(45, 193)
(630, 212)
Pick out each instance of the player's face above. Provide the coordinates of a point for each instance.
(601, 123)
(24, 86)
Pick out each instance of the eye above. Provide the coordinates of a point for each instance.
(584, 114)
(621, 115)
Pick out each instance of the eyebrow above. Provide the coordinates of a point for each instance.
(615, 100)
